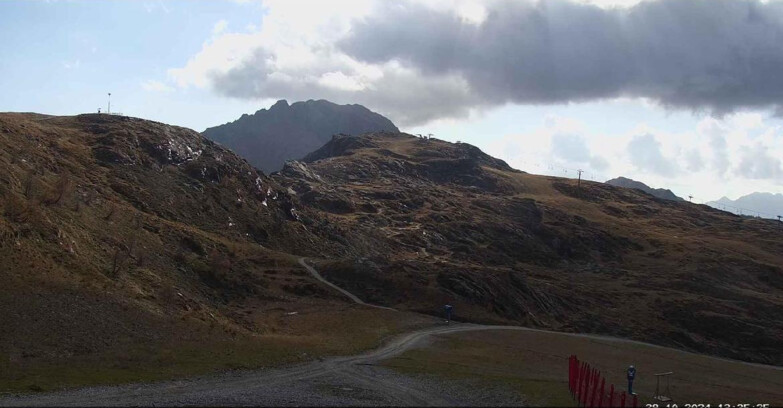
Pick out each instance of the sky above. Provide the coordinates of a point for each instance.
(679, 94)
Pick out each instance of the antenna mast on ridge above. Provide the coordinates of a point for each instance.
(109, 110)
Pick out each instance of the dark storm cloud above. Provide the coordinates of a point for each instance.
(406, 98)
(711, 55)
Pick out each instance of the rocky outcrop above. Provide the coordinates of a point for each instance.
(270, 137)
(423, 222)
(657, 192)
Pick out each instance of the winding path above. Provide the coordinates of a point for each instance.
(350, 295)
(350, 380)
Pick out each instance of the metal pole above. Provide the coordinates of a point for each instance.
(109, 110)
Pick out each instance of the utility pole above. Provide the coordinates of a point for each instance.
(779, 218)
(109, 110)
(690, 198)
(579, 178)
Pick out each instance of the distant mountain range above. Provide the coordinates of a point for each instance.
(767, 205)
(657, 192)
(270, 137)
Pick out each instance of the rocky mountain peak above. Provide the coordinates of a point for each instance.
(270, 137)
(281, 104)
(625, 182)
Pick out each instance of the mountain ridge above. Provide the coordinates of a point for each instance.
(270, 137)
(109, 222)
(768, 205)
(663, 193)
(428, 223)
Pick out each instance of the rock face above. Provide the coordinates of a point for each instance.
(767, 205)
(268, 138)
(422, 223)
(663, 193)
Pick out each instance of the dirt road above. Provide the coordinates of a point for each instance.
(353, 380)
(350, 295)
(350, 380)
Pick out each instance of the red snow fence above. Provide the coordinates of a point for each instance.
(589, 389)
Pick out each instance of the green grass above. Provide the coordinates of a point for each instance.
(327, 331)
(535, 365)
(460, 358)
(142, 365)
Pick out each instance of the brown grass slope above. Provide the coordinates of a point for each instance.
(134, 250)
(425, 222)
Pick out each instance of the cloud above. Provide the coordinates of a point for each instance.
(219, 27)
(574, 151)
(645, 154)
(156, 86)
(599, 163)
(716, 56)
(694, 161)
(570, 147)
(757, 163)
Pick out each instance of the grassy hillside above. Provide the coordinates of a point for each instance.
(430, 222)
(535, 365)
(135, 250)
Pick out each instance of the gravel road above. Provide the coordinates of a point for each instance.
(339, 381)
(352, 380)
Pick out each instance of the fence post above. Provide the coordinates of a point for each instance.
(635, 401)
(577, 376)
(586, 397)
(583, 385)
(583, 393)
(570, 371)
(622, 400)
(611, 395)
(601, 394)
(591, 397)
(572, 375)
